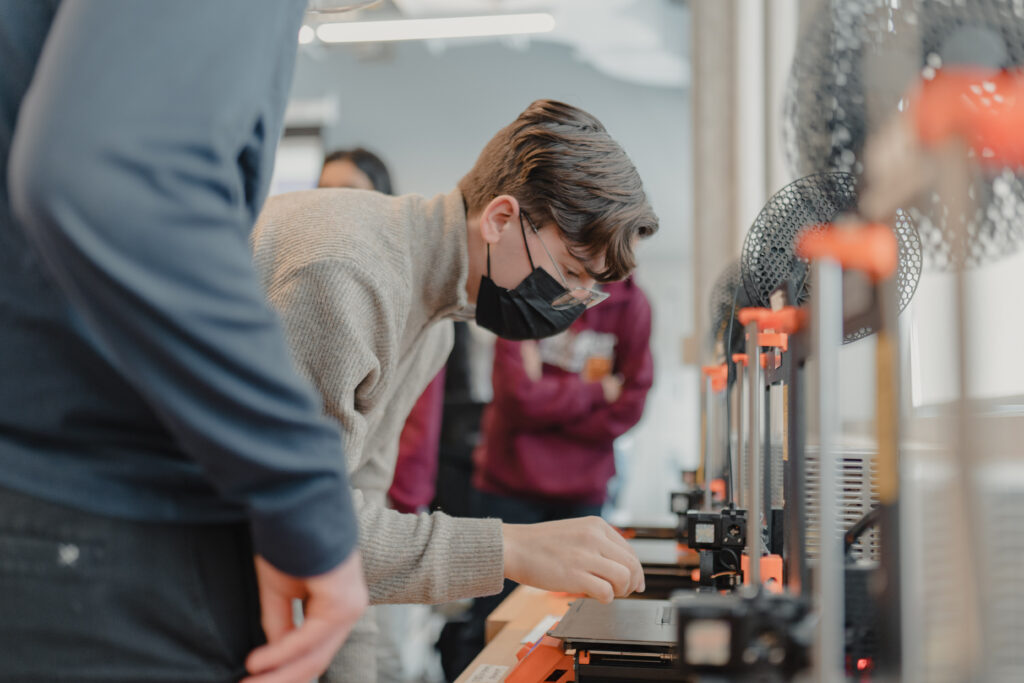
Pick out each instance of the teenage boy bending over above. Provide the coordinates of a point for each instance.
(366, 284)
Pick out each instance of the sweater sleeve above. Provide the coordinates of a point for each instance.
(633, 362)
(550, 401)
(428, 558)
(341, 321)
(412, 487)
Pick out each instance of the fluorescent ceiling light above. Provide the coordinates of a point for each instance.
(306, 35)
(423, 29)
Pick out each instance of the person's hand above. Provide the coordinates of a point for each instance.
(333, 603)
(612, 386)
(532, 364)
(584, 555)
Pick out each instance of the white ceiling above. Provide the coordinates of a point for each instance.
(639, 41)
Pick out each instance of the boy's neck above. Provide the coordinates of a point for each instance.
(476, 252)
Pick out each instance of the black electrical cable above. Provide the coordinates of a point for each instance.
(863, 524)
(732, 319)
(735, 560)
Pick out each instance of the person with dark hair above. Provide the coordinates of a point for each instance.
(154, 432)
(356, 168)
(367, 286)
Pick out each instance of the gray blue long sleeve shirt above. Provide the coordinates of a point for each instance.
(142, 373)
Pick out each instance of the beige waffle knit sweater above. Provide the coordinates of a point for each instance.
(364, 283)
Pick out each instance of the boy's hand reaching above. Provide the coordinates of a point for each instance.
(584, 555)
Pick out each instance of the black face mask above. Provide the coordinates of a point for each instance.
(524, 312)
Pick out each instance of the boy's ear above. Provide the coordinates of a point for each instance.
(501, 213)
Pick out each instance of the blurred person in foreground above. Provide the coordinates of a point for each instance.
(154, 432)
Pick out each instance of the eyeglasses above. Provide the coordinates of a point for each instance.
(573, 296)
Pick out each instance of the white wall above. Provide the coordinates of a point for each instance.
(995, 329)
(429, 113)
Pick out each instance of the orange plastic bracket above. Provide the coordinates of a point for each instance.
(543, 661)
(713, 371)
(777, 340)
(774, 326)
(749, 315)
(985, 107)
(788, 320)
(719, 375)
(741, 359)
(871, 248)
(771, 571)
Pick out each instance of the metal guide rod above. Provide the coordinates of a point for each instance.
(955, 182)
(887, 419)
(738, 493)
(708, 449)
(754, 451)
(967, 462)
(767, 466)
(827, 307)
(952, 185)
(795, 525)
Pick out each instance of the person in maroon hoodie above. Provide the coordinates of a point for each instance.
(559, 404)
(547, 451)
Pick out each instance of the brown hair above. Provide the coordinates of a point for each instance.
(561, 164)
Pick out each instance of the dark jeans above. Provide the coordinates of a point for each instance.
(87, 598)
(512, 511)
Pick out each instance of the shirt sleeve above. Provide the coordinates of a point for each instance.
(337, 318)
(551, 401)
(142, 154)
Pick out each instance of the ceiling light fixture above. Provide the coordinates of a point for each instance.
(425, 29)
